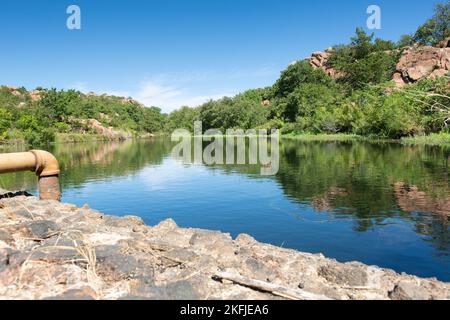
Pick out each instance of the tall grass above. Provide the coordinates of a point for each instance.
(436, 139)
(78, 137)
(325, 137)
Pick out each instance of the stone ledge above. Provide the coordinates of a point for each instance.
(51, 250)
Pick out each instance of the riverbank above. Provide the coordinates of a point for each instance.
(51, 250)
(437, 139)
(80, 138)
(63, 138)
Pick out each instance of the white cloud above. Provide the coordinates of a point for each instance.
(169, 98)
(155, 93)
(170, 91)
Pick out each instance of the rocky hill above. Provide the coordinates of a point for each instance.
(38, 115)
(416, 63)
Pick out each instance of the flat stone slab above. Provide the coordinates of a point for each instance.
(64, 252)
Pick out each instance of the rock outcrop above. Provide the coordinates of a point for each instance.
(34, 95)
(109, 132)
(416, 63)
(422, 62)
(51, 250)
(445, 43)
(320, 60)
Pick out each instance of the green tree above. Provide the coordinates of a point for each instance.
(296, 74)
(405, 41)
(5, 123)
(365, 61)
(306, 99)
(60, 105)
(437, 28)
(183, 118)
(152, 120)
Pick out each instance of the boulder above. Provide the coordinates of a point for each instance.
(417, 63)
(6, 237)
(118, 266)
(41, 229)
(180, 290)
(319, 60)
(353, 275)
(445, 43)
(165, 225)
(407, 290)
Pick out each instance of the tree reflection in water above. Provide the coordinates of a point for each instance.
(368, 183)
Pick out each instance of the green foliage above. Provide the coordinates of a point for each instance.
(37, 122)
(405, 41)
(435, 139)
(152, 120)
(272, 124)
(256, 95)
(60, 105)
(243, 112)
(365, 61)
(183, 118)
(5, 123)
(437, 28)
(298, 73)
(390, 116)
(304, 100)
(33, 132)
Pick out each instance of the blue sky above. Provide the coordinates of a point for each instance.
(172, 53)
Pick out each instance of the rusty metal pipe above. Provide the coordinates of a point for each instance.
(43, 163)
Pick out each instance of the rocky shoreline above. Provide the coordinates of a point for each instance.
(51, 250)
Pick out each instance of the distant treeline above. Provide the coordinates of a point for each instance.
(363, 100)
(36, 117)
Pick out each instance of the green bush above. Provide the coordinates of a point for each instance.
(5, 123)
(272, 124)
(183, 118)
(307, 98)
(296, 74)
(66, 111)
(435, 29)
(365, 61)
(241, 112)
(292, 128)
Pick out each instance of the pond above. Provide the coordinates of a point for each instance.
(379, 203)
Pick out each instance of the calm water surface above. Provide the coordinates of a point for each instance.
(382, 204)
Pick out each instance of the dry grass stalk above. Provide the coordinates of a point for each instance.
(270, 287)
